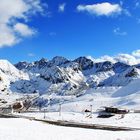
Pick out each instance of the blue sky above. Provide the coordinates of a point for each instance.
(60, 28)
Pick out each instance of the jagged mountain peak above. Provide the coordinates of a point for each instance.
(40, 64)
(59, 58)
(57, 61)
(84, 62)
(22, 65)
(103, 66)
(41, 61)
(61, 73)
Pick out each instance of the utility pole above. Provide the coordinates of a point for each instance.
(49, 103)
(90, 111)
(44, 114)
(59, 109)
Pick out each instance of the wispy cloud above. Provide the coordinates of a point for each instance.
(31, 54)
(138, 20)
(52, 34)
(121, 3)
(101, 9)
(61, 7)
(24, 30)
(117, 31)
(11, 12)
(137, 4)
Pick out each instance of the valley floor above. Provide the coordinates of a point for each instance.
(131, 120)
(73, 109)
(23, 129)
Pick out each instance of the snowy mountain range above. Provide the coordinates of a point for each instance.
(63, 77)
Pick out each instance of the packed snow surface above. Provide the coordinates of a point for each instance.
(22, 129)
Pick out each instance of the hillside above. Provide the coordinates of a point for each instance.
(58, 79)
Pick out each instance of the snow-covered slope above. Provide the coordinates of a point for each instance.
(8, 69)
(61, 76)
(9, 74)
(132, 88)
(129, 95)
(64, 72)
(122, 79)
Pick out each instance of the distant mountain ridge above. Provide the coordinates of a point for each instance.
(64, 77)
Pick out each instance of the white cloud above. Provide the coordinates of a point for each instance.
(10, 13)
(108, 58)
(117, 31)
(24, 30)
(61, 7)
(131, 59)
(90, 57)
(127, 59)
(7, 37)
(136, 53)
(101, 9)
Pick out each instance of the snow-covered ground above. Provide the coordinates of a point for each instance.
(130, 120)
(72, 109)
(22, 129)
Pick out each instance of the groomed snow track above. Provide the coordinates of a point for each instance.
(73, 124)
(88, 126)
